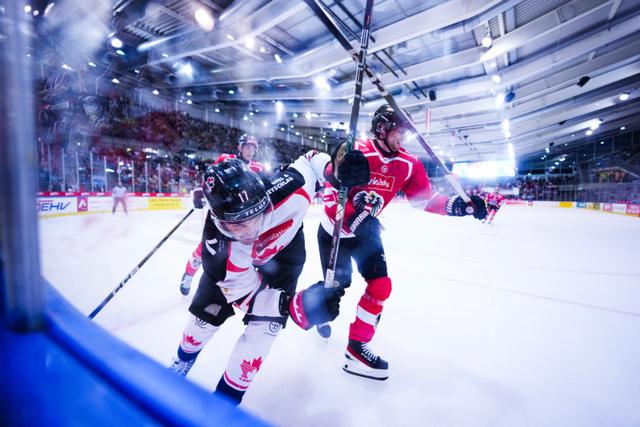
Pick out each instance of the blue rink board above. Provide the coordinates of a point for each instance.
(74, 373)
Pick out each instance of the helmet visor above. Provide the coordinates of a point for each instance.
(246, 231)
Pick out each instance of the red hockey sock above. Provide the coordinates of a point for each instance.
(195, 261)
(369, 309)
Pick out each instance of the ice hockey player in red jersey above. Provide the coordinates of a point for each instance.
(494, 201)
(253, 255)
(393, 169)
(247, 149)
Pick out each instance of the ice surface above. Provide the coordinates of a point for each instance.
(532, 322)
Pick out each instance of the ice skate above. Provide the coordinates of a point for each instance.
(324, 330)
(185, 284)
(361, 361)
(180, 366)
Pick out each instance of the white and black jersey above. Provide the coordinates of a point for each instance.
(234, 272)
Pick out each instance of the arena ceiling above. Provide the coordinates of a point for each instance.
(562, 65)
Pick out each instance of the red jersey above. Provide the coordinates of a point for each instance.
(254, 166)
(389, 175)
(495, 200)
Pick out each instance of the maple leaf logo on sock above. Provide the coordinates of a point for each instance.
(248, 368)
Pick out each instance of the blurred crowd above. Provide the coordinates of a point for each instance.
(90, 142)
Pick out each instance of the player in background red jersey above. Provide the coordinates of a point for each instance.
(392, 169)
(493, 201)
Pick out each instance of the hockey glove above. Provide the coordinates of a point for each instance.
(198, 198)
(458, 207)
(315, 305)
(364, 226)
(354, 169)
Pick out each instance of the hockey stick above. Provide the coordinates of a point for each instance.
(353, 123)
(329, 277)
(135, 270)
(344, 42)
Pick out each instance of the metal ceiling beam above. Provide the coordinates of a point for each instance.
(436, 19)
(603, 35)
(262, 20)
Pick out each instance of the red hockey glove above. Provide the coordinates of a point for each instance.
(315, 305)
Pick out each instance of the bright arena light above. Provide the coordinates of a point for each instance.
(27, 9)
(322, 83)
(624, 96)
(499, 101)
(589, 132)
(487, 41)
(496, 78)
(279, 107)
(249, 42)
(204, 19)
(155, 92)
(116, 42)
(485, 169)
(505, 124)
(277, 58)
(186, 70)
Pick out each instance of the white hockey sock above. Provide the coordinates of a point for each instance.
(196, 335)
(249, 353)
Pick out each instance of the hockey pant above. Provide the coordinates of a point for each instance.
(372, 265)
(195, 261)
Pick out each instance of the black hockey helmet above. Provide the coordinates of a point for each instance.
(384, 119)
(235, 193)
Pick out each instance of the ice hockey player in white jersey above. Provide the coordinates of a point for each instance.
(253, 253)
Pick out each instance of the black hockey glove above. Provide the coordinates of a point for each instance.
(315, 305)
(354, 169)
(198, 198)
(364, 226)
(458, 207)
